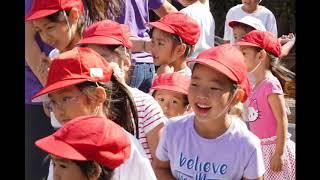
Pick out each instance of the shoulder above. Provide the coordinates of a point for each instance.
(243, 135)
(265, 11)
(272, 84)
(235, 9)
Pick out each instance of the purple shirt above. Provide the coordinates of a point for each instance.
(135, 14)
(31, 84)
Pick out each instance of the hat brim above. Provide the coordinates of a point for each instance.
(170, 88)
(243, 43)
(234, 23)
(42, 95)
(40, 14)
(161, 26)
(102, 40)
(52, 145)
(215, 65)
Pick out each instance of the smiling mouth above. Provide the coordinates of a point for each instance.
(203, 109)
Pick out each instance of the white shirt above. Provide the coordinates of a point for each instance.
(235, 13)
(200, 13)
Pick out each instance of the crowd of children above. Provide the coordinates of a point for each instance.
(181, 126)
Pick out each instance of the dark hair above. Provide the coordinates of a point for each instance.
(274, 64)
(119, 106)
(88, 169)
(59, 17)
(97, 10)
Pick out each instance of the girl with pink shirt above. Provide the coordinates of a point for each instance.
(265, 109)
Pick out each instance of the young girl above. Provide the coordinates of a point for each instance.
(170, 90)
(81, 150)
(211, 144)
(265, 107)
(173, 40)
(81, 82)
(111, 40)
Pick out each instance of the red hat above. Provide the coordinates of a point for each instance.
(172, 82)
(228, 60)
(89, 138)
(73, 67)
(180, 24)
(262, 39)
(43, 8)
(107, 32)
(251, 21)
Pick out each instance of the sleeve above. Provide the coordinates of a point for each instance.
(227, 29)
(162, 148)
(273, 87)
(153, 115)
(255, 167)
(50, 173)
(272, 24)
(155, 4)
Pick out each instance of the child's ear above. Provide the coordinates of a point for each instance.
(74, 15)
(126, 63)
(97, 170)
(180, 49)
(238, 96)
(100, 95)
(262, 55)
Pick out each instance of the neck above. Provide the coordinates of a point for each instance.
(72, 43)
(250, 9)
(260, 75)
(178, 64)
(212, 129)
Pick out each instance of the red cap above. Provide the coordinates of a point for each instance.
(262, 39)
(107, 32)
(172, 82)
(73, 67)
(89, 138)
(228, 60)
(180, 24)
(43, 8)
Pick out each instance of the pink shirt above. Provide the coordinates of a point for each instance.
(259, 113)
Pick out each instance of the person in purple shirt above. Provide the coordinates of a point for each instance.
(37, 124)
(135, 14)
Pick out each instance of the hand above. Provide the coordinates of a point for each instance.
(43, 68)
(118, 72)
(277, 162)
(286, 38)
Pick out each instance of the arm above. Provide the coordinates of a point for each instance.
(162, 170)
(277, 104)
(165, 8)
(33, 54)
(140, 44)
(153, 137)
(289, 42)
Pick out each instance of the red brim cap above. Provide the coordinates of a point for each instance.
(161, 26)
(102, 40)
(243, 43)
(42, 95)
(233, 23)
(40, 14)
(52, 145)
(215, 65)
(170, 88)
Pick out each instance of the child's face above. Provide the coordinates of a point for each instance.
(186, 3)
(161, 48)
(251, 58)
(250, 4)
(209, 92)
(55, 34)
(172, 103)
(238, 33)
(64, 169)
(70, 103)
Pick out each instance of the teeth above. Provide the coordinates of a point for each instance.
(203, 106)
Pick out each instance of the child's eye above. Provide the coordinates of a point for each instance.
(50, 27)
(160, 44)
(193, 84)
(174, 101)
(65, 99)
(62, 166)
(214, 88)
(161, 99)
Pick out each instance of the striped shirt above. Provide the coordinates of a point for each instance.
(150, 115)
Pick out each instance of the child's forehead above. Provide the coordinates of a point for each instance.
(211, 74)
(161, 34)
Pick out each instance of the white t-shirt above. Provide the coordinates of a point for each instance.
(186, 72)
(235, 13)
(200, 13)
(137, 166)
(233, 155)
(150, 115)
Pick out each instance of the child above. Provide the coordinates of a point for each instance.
(173, 40)
(170, 90)
(201, 13)
(249, 8)
(81, 82)
(211, 144)
(92, 147)
(265, 107)
(111, 40)
(244, 25)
